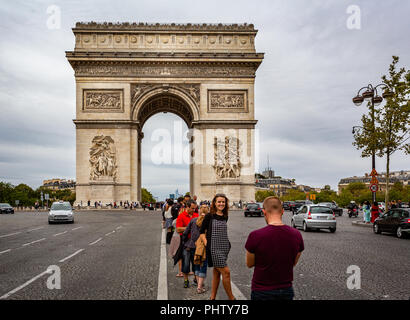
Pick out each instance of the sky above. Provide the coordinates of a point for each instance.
(314, 64)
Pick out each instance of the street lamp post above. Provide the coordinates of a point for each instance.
(371, 95)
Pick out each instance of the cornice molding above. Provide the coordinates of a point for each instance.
(141, 26)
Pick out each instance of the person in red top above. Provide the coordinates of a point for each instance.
(375, 212)
(182, 222)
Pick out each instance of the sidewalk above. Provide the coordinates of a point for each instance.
(360, 223)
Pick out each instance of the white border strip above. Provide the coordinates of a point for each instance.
(162, 293)
(71, 255)
(8, 294)
(237, 293)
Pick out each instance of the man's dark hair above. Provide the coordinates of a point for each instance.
(180, 199)
(190, 202)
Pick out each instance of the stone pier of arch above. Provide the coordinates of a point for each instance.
(127, 72)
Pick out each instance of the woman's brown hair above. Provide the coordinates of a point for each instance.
(213, 204)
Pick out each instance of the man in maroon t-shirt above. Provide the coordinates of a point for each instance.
(273, 250)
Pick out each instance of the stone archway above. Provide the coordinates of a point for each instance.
(127, 72)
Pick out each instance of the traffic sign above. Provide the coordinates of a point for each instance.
(47, 196)
(374, 180)
(373, 173)
(374, 187)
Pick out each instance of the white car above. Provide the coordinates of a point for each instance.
(61, 211)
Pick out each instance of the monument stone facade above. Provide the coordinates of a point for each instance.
(127, 72)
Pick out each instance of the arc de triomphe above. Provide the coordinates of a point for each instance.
(127, 72)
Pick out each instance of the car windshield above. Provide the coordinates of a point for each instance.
(61, 206)
(5, 205)
(326, 204)
(320, 210)
(253, 206)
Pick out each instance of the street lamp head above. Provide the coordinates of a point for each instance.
(358, 100)
(368, 95)
(387, 94)
(377, 100)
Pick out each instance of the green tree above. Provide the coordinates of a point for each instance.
(6, 192)
(261, 195)
(146, 196)
(394, 117)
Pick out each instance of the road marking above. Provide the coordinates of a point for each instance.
(8, 250)
(162, 292)
(35, 229)
(95, 241)
(57, 234)
(237, 293)
(76, 228)
(8, 294)
(10, 234)
(27, 244)
(71, 255)
(107, 234)
(118, 227)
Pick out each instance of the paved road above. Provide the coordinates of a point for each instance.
(117, 255)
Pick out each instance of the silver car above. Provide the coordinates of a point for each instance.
(314, 217)
(61, 212)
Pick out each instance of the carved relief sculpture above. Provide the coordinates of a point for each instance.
(103, 160)
(223, 100)
(103, 101)
(227, 158)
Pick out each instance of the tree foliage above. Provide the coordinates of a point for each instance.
(261, 195)
(146, 196)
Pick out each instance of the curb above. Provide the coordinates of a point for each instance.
(361, 224)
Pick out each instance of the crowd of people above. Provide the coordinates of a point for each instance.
(197, 236)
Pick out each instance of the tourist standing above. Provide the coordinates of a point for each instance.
(183, 221)
(168, 220)
(273, 251)
(217, 244)
(194, 230)
(366, 212)
(375, 211)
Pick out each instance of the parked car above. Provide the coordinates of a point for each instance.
(313, 216)
(298, 204)
(61, 211)
(253, 209)
(287, 205)
(6, 208)
(338, 211)
(394, 221)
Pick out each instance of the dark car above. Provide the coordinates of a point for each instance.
(298, 204)
(287, 205)
(338, 211)
(394, 221)
(253, 209)
(6, 208)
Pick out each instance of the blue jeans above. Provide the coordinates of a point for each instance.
(278, 294)
(187, 260)
(201, 271)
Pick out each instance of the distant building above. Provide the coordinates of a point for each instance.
(268, 173)
(278, 185)
(59, 184)
(395, 176)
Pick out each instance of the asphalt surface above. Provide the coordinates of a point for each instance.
(116, 255)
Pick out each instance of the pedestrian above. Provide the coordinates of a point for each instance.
(273, 252)
(366, 212)
(375, 210)
(200, 262)
(214, 234)
(187, 254)
(168, 220)
(174, 246)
